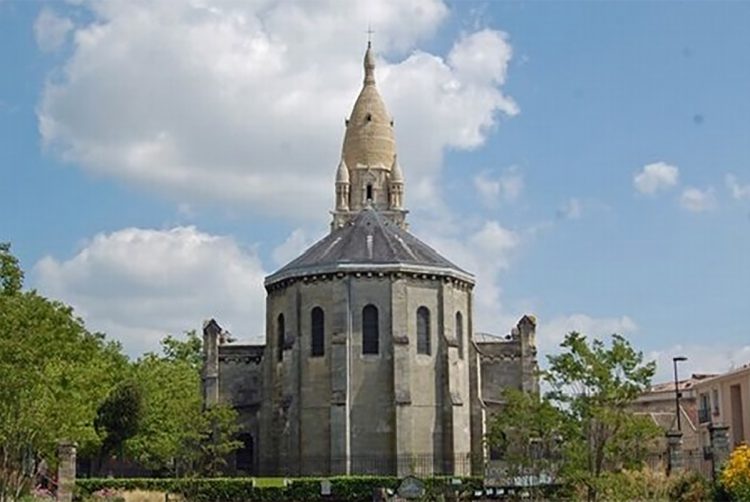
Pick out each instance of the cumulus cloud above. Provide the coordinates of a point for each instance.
(137, 285)
(494, 188)
(550, 333)
(297, 242)
(51, 30)
(655, 177)
(484, 248)
(244, 102)
(738, 191)
(697, 201)
(716, 358)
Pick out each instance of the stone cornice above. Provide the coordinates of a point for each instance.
(369, 270)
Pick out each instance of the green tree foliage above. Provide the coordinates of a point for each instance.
(176, 433)
(594, 385)
(528, 434)
(586, 413)
(118, 418)
(53, 375)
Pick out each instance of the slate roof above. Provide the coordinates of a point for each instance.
(370, 242)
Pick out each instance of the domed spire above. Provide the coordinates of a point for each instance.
(342, 173)
(397, 176)
(369, 140)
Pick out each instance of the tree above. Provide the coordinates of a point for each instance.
(118, 418)
(593, 385)
(54, 374)
(176, 433)
(527, 434)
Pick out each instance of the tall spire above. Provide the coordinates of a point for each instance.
(369, 140)
(369, 65)
(364, 178)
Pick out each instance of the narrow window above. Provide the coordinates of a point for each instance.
(423, 331)
(369, 192)
(317, 341)
(460, 334)
(280, 336)
(370, 330)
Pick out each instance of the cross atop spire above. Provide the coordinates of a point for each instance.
(369, 32)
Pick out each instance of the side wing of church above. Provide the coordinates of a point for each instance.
(370, 365)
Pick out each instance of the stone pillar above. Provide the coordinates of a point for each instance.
(340, 437)
(402, 378)
(674, 451)
(720, 450)
(290, 378)
(66, 470)
(527, 334)
(211, 334)
(475, 400)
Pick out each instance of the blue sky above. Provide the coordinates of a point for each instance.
(589, 161)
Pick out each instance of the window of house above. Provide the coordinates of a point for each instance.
(460, 334)
(280, 336)
(317, 340)
(369, 192)
(423, 330)
(370, 330)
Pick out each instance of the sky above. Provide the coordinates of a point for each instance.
(588, 161)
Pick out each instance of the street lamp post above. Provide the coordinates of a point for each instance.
(675, 360)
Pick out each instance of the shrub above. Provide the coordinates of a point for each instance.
(690, 487)
(298, 489)
(735, 476)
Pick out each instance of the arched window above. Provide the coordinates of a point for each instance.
(369, 192)
(317, 341)
(460, 334)
(423, 331)
(370, 330)
(280, 336)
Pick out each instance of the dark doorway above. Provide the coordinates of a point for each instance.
(245, 455)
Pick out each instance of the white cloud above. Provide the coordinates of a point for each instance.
(297, 242)
(697, 201)
(244, 102)
(483, 248)
(51, 30)
(551, 333)
(655, 177)
(138, 285)
(503, 187)
(714, 358)
(737, 190)
(571, 210)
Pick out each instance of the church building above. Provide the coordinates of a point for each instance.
(370, 364)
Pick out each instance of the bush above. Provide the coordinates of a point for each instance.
(735, 476)
(690, 487)
(644, 484)
(301, 489)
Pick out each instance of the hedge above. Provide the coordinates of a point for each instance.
(302, 489)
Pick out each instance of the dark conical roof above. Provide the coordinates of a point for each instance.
(371, 242)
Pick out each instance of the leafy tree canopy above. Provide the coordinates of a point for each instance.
(592, 384)
(54, 374)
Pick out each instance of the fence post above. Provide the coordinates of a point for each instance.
(719, 435)
(674, 448)
(66, 470)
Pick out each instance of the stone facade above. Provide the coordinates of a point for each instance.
(370, 364)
